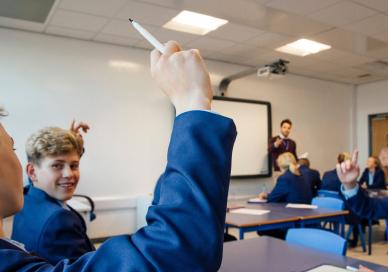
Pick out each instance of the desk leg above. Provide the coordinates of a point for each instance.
(386, 230)
(241, 234)
(226, 229)
(370, 237)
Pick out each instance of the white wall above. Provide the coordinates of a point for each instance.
(48, 80)
(372, 98)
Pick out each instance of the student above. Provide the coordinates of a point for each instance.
(383, 156)
(311, 175)
(282, 143)
(330, 180)
(356, 198)
(372, 177)
(187, 216)
(291, 186)
(46, 225)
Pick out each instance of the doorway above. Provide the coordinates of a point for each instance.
(378, 139)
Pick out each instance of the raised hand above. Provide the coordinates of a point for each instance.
(183, 77)
(278, 142)
(348, 171)
(75, 128)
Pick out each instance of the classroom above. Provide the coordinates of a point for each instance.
(177, 135)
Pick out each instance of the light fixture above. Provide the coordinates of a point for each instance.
(303, 47)
(124, 65)
(195, 23)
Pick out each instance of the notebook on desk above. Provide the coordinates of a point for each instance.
(329, 268)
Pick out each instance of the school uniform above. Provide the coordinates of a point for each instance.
(50, 228)
(364, 206)
(330, 181)
(291, 188)
(313, 178)
(186, 221)
(374, 180)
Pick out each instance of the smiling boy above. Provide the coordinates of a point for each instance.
(47, 226)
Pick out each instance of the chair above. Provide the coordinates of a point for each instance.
(333, 204)
(327, 193)
(318, 239)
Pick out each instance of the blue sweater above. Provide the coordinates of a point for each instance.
(291, 188)
(186, 221)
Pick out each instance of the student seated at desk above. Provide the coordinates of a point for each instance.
(330, 180)
(46, 225)
(187, 217)
(372, 177)
(291, 186)
(357, 198)
(311, 175)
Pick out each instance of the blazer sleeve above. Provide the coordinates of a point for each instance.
(367, 207)
(379, 180)
(185, 224)
(63, 237)
(271, 145)
(279, 192)
(364, 177)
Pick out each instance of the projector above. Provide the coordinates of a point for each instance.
(277, 68)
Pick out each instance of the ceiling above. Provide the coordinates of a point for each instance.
(357, 30)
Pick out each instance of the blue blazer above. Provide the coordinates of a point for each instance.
(313, 177)
(378, 179)
(186, 221)
(291, 188)
(49, 230)
(330, 181)
(367, 207)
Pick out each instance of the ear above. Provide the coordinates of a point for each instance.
(30, 169)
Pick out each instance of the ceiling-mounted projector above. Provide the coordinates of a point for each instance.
(278, 67)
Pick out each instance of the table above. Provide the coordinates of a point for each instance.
(273, 255)
(279, 217)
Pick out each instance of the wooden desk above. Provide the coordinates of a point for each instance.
(273, 255)
(279, 217)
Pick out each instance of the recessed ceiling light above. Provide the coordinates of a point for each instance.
(303, 47)
(195, 23)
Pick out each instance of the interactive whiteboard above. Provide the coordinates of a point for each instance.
(253, 122)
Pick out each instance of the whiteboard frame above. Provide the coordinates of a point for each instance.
(269, 127)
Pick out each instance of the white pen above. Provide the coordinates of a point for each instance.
(148, 36)
(351, 268)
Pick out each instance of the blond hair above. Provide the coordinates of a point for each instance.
(344, 156)
(52, 141)
(287, 161)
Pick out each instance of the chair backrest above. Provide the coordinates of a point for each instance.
(327, 193)
(328, 203)
(318, 239)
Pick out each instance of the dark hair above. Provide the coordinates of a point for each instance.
(304, 162)
(344, 156)
(286, 121)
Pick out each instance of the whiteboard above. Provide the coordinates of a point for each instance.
(253, 122)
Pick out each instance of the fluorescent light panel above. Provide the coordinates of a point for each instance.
(194, 23)
(303, 47)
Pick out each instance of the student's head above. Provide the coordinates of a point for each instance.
(304, 162)
(53, 156)
(285, 127)
(287, 161)
(343, 156)
(372, 163)
(11, 177)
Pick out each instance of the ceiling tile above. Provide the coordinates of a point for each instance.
(242, 50)
(342, 57)
(301, 7)
(124, 28)
(337, 38)
(342, 13)
(211, 44)
(95, 7)
(270, 40)
(145, 13)
(165, 35)
(74, 33)
(113, 39)
(144, 45)
(236, 32)
(371, 25)
(381, 5)
(76, 20)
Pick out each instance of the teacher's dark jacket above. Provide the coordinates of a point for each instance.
(186, 220)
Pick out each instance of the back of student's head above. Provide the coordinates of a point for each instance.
(343, 156)
(51, 142)
(304, 162)
(287, 161)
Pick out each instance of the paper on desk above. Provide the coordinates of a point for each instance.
(328, 268)
(250, 211)
(257, 200)
(301, 206)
